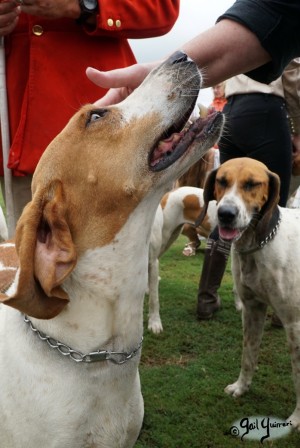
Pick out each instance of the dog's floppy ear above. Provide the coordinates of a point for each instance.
(46, 254)
(208, 195)
(267, 212)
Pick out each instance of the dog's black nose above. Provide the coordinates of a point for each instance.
(178, 57)
(227, 214)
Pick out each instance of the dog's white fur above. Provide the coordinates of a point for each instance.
(247, 194)
(95, 193)
(179, 206)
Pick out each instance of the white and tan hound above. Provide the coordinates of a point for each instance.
(179, 206)
(69, 372)
(265, 259)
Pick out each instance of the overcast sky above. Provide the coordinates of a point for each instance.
(195, 16)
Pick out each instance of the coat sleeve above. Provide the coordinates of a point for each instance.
(291, 86)
(134, 19)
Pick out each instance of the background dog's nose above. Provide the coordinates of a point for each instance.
(227, 213)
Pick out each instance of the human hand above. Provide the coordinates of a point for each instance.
(120, 82)
(52, 9)
(9, 16)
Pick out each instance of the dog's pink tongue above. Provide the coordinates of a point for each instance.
(165, 146)
(228, 234)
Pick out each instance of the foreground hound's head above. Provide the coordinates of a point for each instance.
(98, 170)
(246, 192)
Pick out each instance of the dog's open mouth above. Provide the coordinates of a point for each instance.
(228, 233)
(171, 148)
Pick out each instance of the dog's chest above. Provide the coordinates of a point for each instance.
(270, 273)
(253, 279)
(64, 402)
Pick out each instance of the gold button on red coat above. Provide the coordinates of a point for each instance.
(37, 30)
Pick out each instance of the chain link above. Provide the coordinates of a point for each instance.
(75, 355)
(271, 234)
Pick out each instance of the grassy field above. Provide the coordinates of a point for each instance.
(184, 370)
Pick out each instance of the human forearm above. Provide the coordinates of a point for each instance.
(225, 50)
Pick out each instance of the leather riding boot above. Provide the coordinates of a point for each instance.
(215, 258)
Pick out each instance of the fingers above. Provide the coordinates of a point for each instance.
(131, 77)
(111, 79)
(121, 82)
(9, 16)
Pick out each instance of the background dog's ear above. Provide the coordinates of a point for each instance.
(208, 195)
(46, 254)
(267, 212)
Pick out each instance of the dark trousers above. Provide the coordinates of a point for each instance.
(257, 126)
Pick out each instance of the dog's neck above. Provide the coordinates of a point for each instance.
(106, 291)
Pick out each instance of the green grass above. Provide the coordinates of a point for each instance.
(185, 369)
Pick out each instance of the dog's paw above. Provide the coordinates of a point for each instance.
(155, 325)
(189, 250)
(236, 389)
(294, 419)
(237, 301)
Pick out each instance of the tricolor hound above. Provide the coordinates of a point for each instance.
(69, 369)
(179, 206)
(265, 258)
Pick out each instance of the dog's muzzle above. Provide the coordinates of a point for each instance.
(227, 214)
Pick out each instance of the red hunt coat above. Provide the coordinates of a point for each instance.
(46, 62)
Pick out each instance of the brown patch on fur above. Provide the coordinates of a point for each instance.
(195, 177)
(164, 200)
(240, 172)
(106, 174)
(192, 210)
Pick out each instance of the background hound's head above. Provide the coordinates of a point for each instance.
(246, 192)
(98, 170)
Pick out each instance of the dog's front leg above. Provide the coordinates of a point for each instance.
(254, 315)
(154, 321)
(293, 336)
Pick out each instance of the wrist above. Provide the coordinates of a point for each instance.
(88, 11)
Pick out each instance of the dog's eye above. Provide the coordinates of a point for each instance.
(222, 182)
(250, 184)
(96, 115)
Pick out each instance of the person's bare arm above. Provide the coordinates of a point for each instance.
(222, 51)
(225, 50)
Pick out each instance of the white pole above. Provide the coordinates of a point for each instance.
(6, 144)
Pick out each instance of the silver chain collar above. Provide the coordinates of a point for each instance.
(262, 243)
(75, 355)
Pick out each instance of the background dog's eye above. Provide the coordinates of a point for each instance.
(96, 115)
(222, 182)
(250, 184)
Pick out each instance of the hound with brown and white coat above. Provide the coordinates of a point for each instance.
(177, 207)
(95, 193)
(265, 259)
